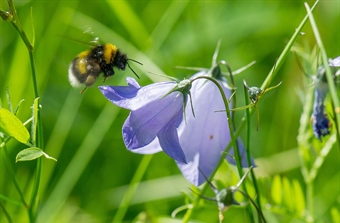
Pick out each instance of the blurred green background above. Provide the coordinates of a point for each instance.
(83, 131)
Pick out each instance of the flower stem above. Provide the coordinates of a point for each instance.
(17, 25)
(285, 51)
(6, 214)
(230, 124)
(233, 143)
(12, 174)
(257, 192)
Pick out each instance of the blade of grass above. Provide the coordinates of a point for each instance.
(130, 20)
(285, 51)
(59, 133)
(166, 24)
(136, 179)
(77, 165)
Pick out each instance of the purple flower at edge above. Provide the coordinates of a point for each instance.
(321, 124)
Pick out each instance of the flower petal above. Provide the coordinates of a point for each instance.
(335, 62)
(151, 148)
(205, 136)
(168, 139)
(143, 125)
(321, 123)
(133, 96)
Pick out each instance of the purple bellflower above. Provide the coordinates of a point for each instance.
(156, 112)
(156, 123)
(321, 123)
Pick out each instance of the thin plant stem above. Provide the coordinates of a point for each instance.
(285, 51)
(188, 214)
(17, 25)
(39, 143)
(258, 199)
(9, 219)
(30, 47)
(230, 124)
(136, 179)
(12, 174)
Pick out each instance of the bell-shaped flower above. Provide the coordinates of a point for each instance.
(156, 113)
(156, 123)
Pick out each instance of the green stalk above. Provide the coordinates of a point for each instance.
(258, 199)
(17, 25)
(285, 51)
(304, 153)
(39, 144)
(12, 174)
(188, 214)
(9, 219)
(230, 123)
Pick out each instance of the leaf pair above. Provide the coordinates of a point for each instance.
(11, 126)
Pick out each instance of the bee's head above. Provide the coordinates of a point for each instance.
(120, 60)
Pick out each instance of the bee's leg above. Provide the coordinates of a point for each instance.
(83, 90)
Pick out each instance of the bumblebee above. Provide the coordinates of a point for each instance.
(87, 66)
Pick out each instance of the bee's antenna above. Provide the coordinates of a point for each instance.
(132, 70)
(131, 67)
(136, 61)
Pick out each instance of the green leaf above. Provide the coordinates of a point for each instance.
(12, 126)
(287, 194)
(277, 190)
(299, 197)
(32, 154)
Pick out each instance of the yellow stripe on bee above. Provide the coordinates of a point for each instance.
(83, 54)
(81, 62)
(109, 52)
(81, 66)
